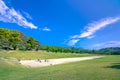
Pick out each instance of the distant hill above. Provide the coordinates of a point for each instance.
(111, 50)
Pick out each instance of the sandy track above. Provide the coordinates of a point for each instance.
(40, 63)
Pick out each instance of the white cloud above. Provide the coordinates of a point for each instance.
(46, 29)
(92, 28)
(27, 15)
(10, 15)
(95, 26)
(72, 42)
(106, 44)
(90, 37)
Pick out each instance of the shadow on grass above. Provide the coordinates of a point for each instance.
(114, 66)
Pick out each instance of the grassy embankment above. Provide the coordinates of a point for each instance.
(39, 55)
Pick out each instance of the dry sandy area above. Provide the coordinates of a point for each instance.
(49, 62)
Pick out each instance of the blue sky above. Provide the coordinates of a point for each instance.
(90, 24)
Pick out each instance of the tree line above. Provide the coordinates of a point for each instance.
(65, 49)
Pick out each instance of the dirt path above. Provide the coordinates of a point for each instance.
(40, 63)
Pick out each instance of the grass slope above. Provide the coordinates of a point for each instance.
(107, 68)
(39, 55)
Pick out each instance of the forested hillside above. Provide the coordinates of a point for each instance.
(12, 40)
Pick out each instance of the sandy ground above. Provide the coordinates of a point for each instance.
(49, 62)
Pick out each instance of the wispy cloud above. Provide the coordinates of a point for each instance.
(27, 15)
(72, 42)
(106, 44)
(46, 29)
(10, 15)
(93, 27)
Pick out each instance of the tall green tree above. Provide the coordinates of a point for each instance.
(14, 39)
(32, 44)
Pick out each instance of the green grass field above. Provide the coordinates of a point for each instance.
(107, 68)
